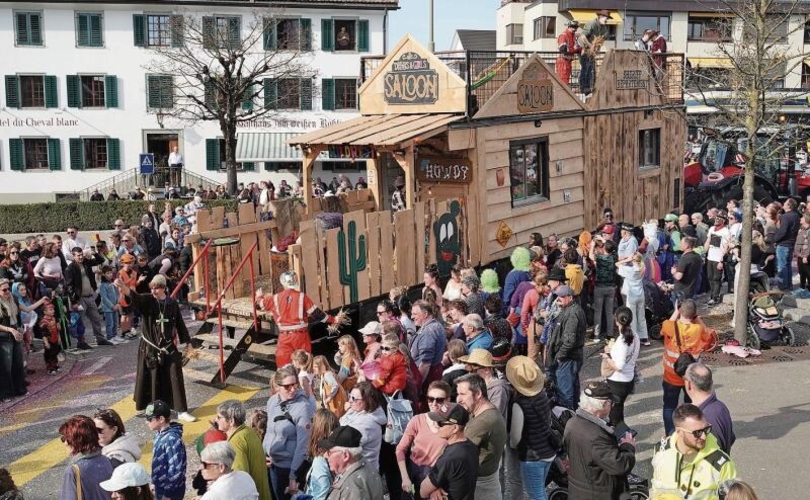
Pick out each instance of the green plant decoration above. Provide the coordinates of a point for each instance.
(356, 259)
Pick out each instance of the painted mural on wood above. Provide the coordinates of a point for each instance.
(356, 261)
(448, 241)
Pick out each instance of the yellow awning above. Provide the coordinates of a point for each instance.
(710, 62)
(711, 14)
(585, 16)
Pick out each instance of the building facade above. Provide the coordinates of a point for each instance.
(80, 106)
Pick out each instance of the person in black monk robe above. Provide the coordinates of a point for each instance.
(160, 362)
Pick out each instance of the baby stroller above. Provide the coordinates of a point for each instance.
(658, 308)
(765, 324)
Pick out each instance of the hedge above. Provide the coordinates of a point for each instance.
(86, 215)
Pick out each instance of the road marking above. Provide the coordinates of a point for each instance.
(53, 452)
(98, 365)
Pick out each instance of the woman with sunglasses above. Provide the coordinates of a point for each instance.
(12, 362)
(87, 467)
(13, 267)
(420, 446)
(116, 444)
(289, 418)
(365, 414)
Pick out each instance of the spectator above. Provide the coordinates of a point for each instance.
(48, 269)
(553, 252)
(573, 271)
(604, 291)
(692, 453)
(598, 464)
(478, 337)
(137, 194)
(785, 240)
(355, 478)
(289, 417)
(116, 444)
(701, 228)
(632, 270)
(453, 289)
(737, 490)
(621, 358)
(169, 455)
(225, 482)
(387, 311)
(487, 430)
(489, 285)
(565, 347)
(80, 285)
(88, 467)
(332, 394)
(151, 238)
(246, 445)
(802, 251)
(12, 358)
(532, 302)
(493, 321)
(481, 363)
(349, 359)
(393, 366)
(456, 312)
(429, 344)
(365, 414)
(72, 241)
(686, 271)
(431, 282)
(455, 354)
(456, 471)
(700, 388)
(113, 195)
(521, 264)
(717, 246)
(470, 290)
(15, 268)
(129, 482)
(372, 333)
(319, 477)
(109, 306)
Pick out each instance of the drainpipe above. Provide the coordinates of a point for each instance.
(432, 42)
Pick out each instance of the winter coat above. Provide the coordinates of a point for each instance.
(802, 248)
(370, 426)
(125, 449)
(598, 464)
(785, 235)
(393, 373)
(288, 427)
(169, 463)
(568, 338)
(93, 469)
(250, 458)
(73, 277)
(109, 297)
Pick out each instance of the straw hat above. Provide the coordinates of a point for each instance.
(525, 376)
(478, 357)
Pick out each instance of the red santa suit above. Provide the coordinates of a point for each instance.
(292, 310)
(567, 49)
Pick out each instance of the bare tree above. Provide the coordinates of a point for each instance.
(755, 42)
(219, 70)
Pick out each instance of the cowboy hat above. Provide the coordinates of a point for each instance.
(605, 13)
(478, 357)
(557, 274)
(524, 375)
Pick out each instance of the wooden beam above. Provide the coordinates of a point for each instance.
(406, 162)
(310, 155)
(231, 231)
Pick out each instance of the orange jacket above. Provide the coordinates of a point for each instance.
(393, 373)
(130, 279)
(695, 338)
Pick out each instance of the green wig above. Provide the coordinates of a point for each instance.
(521, 259)
(489, 281)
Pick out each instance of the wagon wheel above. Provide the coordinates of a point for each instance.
(789, 338)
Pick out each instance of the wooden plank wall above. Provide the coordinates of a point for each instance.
(614, 179)
(494, 203)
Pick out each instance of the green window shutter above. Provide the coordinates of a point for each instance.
(16, 154)
(12, 91)
(51, 92)
(210, 94)
(113, 154)
(74, 91)
(270, 93)
(234, 32)
(212, 154)
(362, 35)
(152, 92)
(327, 35)
(96, 33)
(306, 94)
(176, 23)
(82, 30)
(209, 32)
(269, 35)
(54, 154)
(247, 101)
(166, 91)
(306, 35)
(111, 91)
(76, 154)
(248, 166)
(139, 30)
(23, 31)
(35, 23)
(327, 94)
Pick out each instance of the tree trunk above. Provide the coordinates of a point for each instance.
(744, 265)
(229, 130)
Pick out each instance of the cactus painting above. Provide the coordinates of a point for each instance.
(356, 262)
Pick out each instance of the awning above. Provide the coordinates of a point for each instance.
(585, 16)
(710, 62)
(378, 130)
(265, 146)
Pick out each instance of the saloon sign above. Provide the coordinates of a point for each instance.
(411, 81)
(535, 91)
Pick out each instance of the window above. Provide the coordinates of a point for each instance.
(288, 34)
(676, 193)
(288, 93)
(157, 30)
(215, 156)
(345, 35)
(222, 32)
(807, 32)
(159, 91)
(28, 28)
(776, 27)
(93, 91)
(649, 148)
(36, 154)
(89, 32)
(32, 91)
(528, 171)
(545, 27)
(95, 153)
(709, 29)
(635, 24)
(707, 79)
(345, 93)
(805, 76)
(514, 34)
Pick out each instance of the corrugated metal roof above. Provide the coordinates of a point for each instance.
(378, 130)
(266, 146)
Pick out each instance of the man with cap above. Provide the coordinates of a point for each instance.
(568, 48)
(565, 348)
(590, 39)
(598, 464)
(353, 478)
(548, 315)
(292, 312)
(456, 470)
(717, 247)
(628, 244)
(169, 453)
(372, 333)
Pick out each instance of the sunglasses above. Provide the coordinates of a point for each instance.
(437, 401)
(387, 349)
(206, 465)
(445, 424)
(380, 312)
(700, 432)
(13, 253)
(100, 430)
(288, 386)
(5, 289)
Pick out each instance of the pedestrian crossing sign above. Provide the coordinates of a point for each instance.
(147, 162)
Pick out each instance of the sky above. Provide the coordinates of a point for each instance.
(412, 17)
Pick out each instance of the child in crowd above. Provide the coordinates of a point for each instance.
(302, 362)
(258, 421)
(110, 306)
(348, 357)
(50, 328)
(129, 275)
(332, 394)
(169, 456)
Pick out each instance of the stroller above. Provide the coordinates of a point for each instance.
(658, 308)
(765, 324)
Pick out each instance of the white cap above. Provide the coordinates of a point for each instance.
(371, 328)
(125, 476)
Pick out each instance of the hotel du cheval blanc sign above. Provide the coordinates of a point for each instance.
(411, 81)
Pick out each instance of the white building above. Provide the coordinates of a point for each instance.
(78, 107)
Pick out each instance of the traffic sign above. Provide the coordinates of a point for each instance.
(147, 163)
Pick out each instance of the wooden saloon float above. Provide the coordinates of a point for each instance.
(491, 147)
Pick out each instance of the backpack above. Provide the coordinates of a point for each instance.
(399, 412)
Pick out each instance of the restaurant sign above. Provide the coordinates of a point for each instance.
(411, 81)
(535, 91)
(632, 80)
(456, 170)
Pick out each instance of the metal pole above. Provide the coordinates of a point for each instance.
(431, 42)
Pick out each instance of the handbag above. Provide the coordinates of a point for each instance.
(606, 370)
(685, 359)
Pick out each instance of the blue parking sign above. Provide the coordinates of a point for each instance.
(147, 162)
